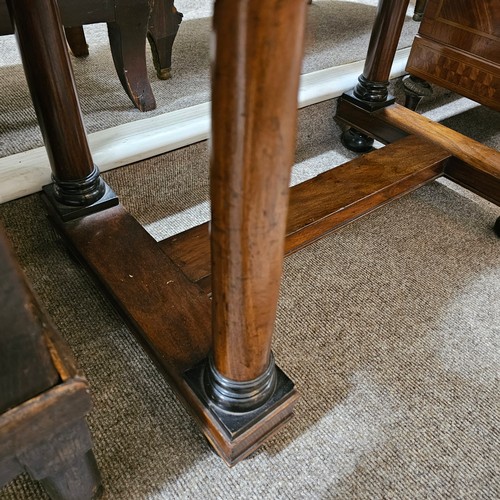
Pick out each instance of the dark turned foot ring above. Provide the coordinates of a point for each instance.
(367, 90)
(70, 200)
(80, 192)
(415, 90)
(235, 396)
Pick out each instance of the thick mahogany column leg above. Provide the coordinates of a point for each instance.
(162, 30)
(50, 79)
(254, 110)
(371, 92)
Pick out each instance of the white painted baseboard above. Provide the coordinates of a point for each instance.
(25, 173)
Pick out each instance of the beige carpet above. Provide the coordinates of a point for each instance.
(338, 33)
(390, 329)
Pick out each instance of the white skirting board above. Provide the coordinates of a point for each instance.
(25, 173)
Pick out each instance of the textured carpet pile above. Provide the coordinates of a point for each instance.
(337, 33)
(389, 327)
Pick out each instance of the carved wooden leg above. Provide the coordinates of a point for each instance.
(65, 465)
(75, 36)
(254, 111)
(162, 30)
(371, 92)
(127, 37)
(77, 184)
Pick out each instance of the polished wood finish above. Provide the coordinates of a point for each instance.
(322, 205)
(253, 140)
(75, 36)
(471, 164)
(367, 122)
(171, 315)
(52, 86)
(466, 149)
(458, 47)
(162, 290)
(384, 39)
(43, 396)
(483, 180)
(129, 22)
(371, 92)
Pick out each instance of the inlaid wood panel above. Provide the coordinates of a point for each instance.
(458, 47)
(455, 70)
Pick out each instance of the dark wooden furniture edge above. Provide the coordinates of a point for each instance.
(45, 433)
(482, 182)
(424, 49)
(26, 422)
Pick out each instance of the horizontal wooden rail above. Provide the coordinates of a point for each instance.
(464, 148)
(328, 201)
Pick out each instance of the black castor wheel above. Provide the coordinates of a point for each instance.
(356, 141)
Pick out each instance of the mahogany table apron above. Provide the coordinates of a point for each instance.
(216, 352)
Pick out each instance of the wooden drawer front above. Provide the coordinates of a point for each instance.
(453, 69)
(470, 25)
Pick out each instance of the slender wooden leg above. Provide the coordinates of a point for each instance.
(371, 92)
(75, 36)
(254, 111)
(77, 184)
(496, 228)
(418, 11)
(373, 83)
(127, 37)
(162, 30)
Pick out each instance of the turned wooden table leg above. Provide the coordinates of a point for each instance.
(371, 92)
(418, 12)
(40, 37)
(254, 111)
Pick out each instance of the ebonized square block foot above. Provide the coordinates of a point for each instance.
(244, 431)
